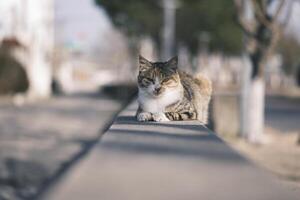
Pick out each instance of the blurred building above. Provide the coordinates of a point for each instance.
(85, 57)
(225, 71)
(30, 24)
(64, 43)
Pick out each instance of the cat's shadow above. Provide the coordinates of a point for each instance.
(188, 125)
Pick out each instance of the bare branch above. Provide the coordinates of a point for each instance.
(240, 19)
(278, 10)
(261, 14)
(245, 28)
(289, 11)
(239, 5)
(264, 5)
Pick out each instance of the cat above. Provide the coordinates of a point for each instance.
(168, 94)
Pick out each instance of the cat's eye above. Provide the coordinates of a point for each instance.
(146, 81)
(167, 80)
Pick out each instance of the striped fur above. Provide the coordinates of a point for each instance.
(165, 93)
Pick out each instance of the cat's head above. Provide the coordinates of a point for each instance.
(156, 78)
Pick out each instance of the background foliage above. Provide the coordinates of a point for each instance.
(194, 18)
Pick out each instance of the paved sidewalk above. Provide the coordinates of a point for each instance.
(39, 141)
(162, 161)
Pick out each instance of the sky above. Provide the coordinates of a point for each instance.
(294, 24)
(80, 23)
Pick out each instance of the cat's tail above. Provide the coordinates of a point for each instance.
(204, 83)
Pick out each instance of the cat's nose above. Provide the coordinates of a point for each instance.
(157, 89)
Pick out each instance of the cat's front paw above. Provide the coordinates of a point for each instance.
(160, 117)
(144, 116)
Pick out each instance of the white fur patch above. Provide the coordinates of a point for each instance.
(153, 104)
(160, 117)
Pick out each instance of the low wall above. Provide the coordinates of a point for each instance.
(173, 160)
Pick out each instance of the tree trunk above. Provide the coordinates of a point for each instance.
(262, 32)
(252, 104)
(168, 34)
(244, 96)
(256, 109)
(41, 34)
(39, 74)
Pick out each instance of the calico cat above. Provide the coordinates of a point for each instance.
(165, 93)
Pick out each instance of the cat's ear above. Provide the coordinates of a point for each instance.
(173, 63)
(144, 64)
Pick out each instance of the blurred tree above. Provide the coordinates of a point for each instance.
(13, 77)
(168, 31)
(262, 31)
(212, 18)
(289, 48)
(193, 18)
(135, 18)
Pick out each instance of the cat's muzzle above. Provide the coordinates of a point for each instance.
(157, 91)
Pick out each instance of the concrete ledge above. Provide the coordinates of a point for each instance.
(166, 161)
